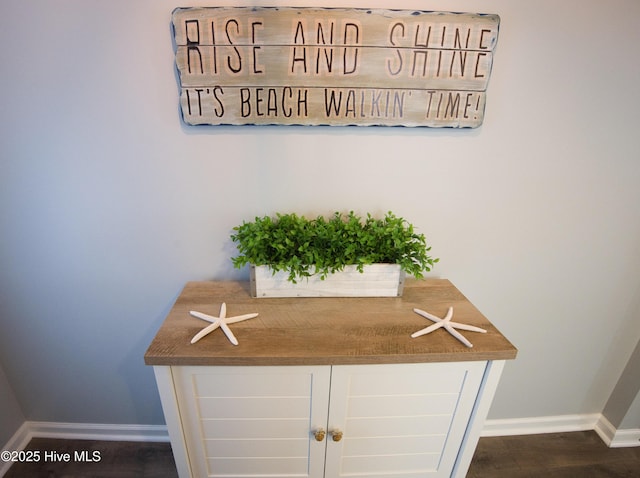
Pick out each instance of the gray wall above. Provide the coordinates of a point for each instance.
(623, 407)
(631, 420)
(11, 417)
(108, 204)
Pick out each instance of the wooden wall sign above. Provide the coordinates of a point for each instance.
(331, 66)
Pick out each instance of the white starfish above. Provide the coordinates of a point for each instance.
(447, 324)
(221, 322)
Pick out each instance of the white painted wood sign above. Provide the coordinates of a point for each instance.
(333, 66)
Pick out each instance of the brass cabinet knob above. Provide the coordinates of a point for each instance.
(336, 435)
(319, 434)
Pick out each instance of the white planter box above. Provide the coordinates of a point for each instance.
(377, 280)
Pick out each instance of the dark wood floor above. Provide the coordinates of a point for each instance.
(557, 455)
(116, 460)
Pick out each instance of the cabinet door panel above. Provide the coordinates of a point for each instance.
(256, 428)
(400, 421)
(390, 465)
(253, 421)
(393, 445)
(225, 408)
(261, 385)
(401, 405)
(265, 448)
(360, 384)
(259, 467)
(394, 426)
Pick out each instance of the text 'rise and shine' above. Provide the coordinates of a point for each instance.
(235, 47)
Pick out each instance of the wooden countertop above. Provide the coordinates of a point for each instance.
(323, 331)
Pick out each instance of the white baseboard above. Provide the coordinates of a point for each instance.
(625, 438)
(536, 425)
(17, 442)
(615, 438)
(158, 433)
(82, 431)
(86, 431)
(98, 431)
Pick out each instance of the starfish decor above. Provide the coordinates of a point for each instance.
(447, 324)
(221, 322)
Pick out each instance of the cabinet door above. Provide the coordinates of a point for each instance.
(400, 421)
(253, 421)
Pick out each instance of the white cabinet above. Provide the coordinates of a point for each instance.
(391, 406)
(253, 421)
(405, 420)
(387, 420)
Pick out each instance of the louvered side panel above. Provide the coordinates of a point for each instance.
(254, 421)
(400, 421)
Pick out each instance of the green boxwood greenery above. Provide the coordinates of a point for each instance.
(303, 247)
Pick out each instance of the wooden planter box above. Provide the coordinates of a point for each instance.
(377, 280)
